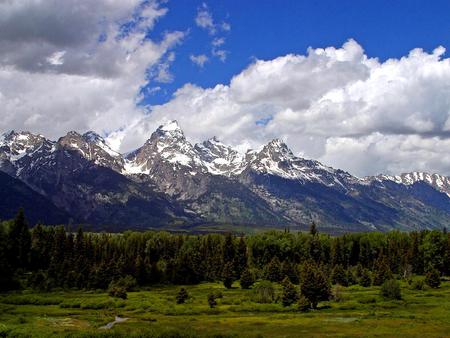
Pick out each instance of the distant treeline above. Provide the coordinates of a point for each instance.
(49, 257)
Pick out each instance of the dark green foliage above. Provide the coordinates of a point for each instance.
(365, 278)
(228, 275)
(55, 257)
(290, 294)
(315, 286)
(117, 292)
(382, 271)
(391, 289)
(182, 296)
(313, 229)
(418, 285)
(264, 292)
(287, 270)
(212, 300)
(433, 278)
(273, 270)
(339, 275)
(128, 283)
(303, 303)
(247, 279)
(19, 241)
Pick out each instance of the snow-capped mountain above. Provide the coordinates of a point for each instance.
(439, 182)
(93, 148)
(170, 181)
(219, 158)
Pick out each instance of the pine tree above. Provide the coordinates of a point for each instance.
(313, 229)
(273, 270)
(241, 257)
(287, 270)
(315, 286)
(247, 279)
(290, 294)
(339, 275)
(20, 241)
(382, 272)
(228, 275)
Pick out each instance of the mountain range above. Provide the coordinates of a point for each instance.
(172, 184)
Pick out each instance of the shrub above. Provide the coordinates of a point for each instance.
(303, 303)
(391, 289)
(182, 296)
(118, 292)
(247, 279)
(382, 271)
(339, 275)
(212, 300)
(418, 285)
(128, 283)
(290, 293)
(365, 278)
(433, 278)
(273, 270)
(337, 293)
(264, 292)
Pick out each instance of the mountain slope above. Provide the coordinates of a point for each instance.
(15, 194)
(170, 182)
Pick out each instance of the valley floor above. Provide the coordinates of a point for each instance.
(154, 313)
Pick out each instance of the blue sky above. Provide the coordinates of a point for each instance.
(268, 29)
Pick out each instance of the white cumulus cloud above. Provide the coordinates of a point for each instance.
(334, 104)
(71, 66)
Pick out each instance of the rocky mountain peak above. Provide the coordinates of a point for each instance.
(15, 145)
(92, 147)
(220, 158)
(277, 149)
(439, 182)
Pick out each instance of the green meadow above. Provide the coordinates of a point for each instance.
(153, 312)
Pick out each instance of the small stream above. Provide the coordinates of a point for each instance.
(111, 324)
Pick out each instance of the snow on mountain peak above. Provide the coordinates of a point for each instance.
(170, 126)
(220, 158)
(439, 182)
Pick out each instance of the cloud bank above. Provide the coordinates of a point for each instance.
(334, 104)
(71, 65)
(81, 65)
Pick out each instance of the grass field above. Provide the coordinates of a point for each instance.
(154, 313)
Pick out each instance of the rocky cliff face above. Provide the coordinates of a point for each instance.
(168, 181)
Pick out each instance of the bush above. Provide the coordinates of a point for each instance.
(290, 293)
(212, 300)
(128, 283)
(339, 275)
(247, 279)
(303, 303)
(264, 292)
(337, 293)
(391, 289)
(382, 271)
(118, 292)
(433, 278)
(418, 285)
(182, 296)
(365, 278)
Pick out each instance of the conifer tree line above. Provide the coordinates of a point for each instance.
(49, 257)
